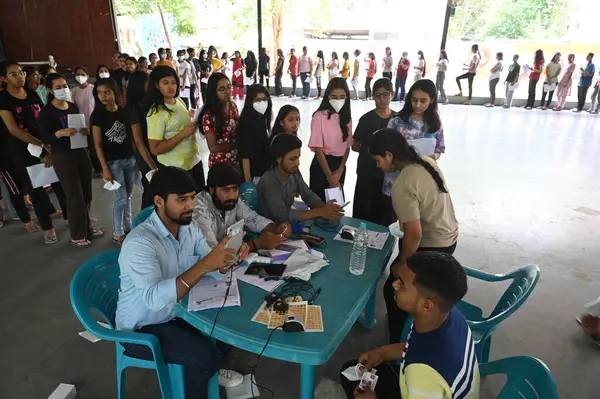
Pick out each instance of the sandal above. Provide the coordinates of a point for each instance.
(594, 337)
(33, 228)
(57, 214)
(93, 220)
(50, 239)
(94, 233)
(118, 239)
(81, 243)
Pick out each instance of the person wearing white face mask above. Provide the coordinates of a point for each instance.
(184, 70)
(253, 132)
(83, 97)
(331, 138)
(72, 165)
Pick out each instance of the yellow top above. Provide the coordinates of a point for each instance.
(216, 64)
(346, 69)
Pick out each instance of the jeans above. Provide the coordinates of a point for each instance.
(203, 87)
(294, 77)
(550, 95)
(493, 84)
(387, 383)
(508, 95)
(439, 83)
(531, 96)
(305, 85)
(125, 173)
(368, 92)
(396, 316)
(278, 86)
(183, 344)
(581, 94)
(400, 85)
(595, 98)
(469, 76)
(387, 75)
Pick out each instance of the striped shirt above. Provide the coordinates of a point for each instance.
(441, 363)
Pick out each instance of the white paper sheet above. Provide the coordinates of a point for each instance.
(237, 73)
(35, 150)
(513, 86)
(210, 293)
(248, 81)
(308, 79)
(78, 140)
(336, 194)
(376, 239)
(424, 147)
(150, 174)
(185, 93)
(297, 243)
(76, 121)
(41, 176)
(256, 280)
(204, 80)
(549, 87)
(111, 186)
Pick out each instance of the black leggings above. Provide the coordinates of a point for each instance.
(550, 95)
(318, 180)
(493, 84)
(278, 87)
(469, 76)
(368, 92)
(531, 96)
(396, 316)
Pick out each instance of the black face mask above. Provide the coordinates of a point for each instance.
(223, 206)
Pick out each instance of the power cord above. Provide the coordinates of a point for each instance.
(258, 361)
(232, 269)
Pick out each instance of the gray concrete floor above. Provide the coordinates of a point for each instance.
(517, 178)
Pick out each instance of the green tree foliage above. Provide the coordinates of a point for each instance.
(181, 10)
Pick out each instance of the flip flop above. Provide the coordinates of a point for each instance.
(118, 240)
(594, 337)
(95, 233)
(81, 243)
(57, 214)
(35, 229)
(50, 239)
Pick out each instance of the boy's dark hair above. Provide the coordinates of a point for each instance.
(172, 180)
(383, 83)
(440, 274)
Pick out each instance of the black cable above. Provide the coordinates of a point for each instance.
(258, 361)
(232, 269)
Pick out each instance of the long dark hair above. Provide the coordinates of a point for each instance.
(443, 55)
(424, 62)
(155, 97)
(43, 70)
(281, 115)
(251, 121)
(49, 81)
(111, 84)
(539, 57)
(431, 116)
(345, 114)
(136, 90)
(99, 67)
(334, 56)
(388, 140)
(251, 62)
(320, 55)
(212, 104)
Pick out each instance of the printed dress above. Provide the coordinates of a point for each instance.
(227, 136)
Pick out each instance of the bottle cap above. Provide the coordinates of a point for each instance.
(363, 225)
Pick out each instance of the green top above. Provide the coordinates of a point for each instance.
(554, 71)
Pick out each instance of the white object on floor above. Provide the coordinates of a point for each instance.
(376, 239)
(111, 186)
(91, 337)
(34, 150)
(245, 390)
(64, 391)
(230, 378)
(41, 176)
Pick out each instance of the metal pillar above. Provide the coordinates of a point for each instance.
(259, 21)
(446, 23)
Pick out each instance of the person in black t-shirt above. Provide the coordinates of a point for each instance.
(72, 165)
(263, 66)
(135, 119)
(115, 152)
(19, 110)
(252, 133)
(368, 197)
(279, 73)
(205, 70)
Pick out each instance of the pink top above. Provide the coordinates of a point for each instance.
(327, 134)
(84, 99)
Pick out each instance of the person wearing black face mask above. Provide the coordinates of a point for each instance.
(219, 207)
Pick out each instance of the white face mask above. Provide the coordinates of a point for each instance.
(180, 58)
(260, 106)
(337, 104)
(162, 56)
(104, 75)
(81, 79)
(63, 94)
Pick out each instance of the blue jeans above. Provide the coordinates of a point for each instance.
(305, 85)
(124, 172)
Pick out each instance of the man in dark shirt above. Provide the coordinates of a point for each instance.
(511, 80)
(368, 196)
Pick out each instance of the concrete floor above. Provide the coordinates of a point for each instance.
(517, 178)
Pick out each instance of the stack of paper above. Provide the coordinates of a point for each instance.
(209, 293)
(41, 176)
(376, 239)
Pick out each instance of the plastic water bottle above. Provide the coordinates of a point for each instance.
(359, 250)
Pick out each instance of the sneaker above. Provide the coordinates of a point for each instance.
(488, 105)
(303, 98)
(594, 112)
(576, 110)
(229, 378)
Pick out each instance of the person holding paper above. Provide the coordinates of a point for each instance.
(552, 72)
(305, 68)
(534, 77)
(264, 66)
(19, 110)
(331, 138)
(293, 71)
(219, 118)
(115, 152)
(238, 75)
(251, 68)
(512, 80)
(585, 81)
(206, 70)
(83, 97)
(563, 90)
(184, 70)
(278, 187)
(423, 205)
(171, 132)
(333, 66)
(437, 360)
(60, 123)
(215, 61)
(495, 78)
(368, 196)
(319, 69)
(161, 260)
(219, 207)
(135, 115)
(253, 131)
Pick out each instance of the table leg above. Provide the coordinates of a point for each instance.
(369, 320)
(307, 381)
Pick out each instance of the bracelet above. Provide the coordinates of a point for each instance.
(184, 283)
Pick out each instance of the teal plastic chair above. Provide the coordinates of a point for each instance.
(95, 286)
(526, 378)
(249, 195)
(524, 280)
(142, 216)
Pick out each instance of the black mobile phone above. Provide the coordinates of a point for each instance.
(265, 269)
(311, 239)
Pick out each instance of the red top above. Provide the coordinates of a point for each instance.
(294, 65)
(238, 80)
(371, 70)
(228, 135)
(536, 75)
(401, 71)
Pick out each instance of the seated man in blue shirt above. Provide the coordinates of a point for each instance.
(438, 360)
(279, 185)
(161, 260)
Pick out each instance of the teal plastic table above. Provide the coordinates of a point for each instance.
(342, 299)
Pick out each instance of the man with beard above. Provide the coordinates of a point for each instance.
(219, 207)
(160, 261)
(278, 186)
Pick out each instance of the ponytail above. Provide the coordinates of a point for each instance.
(414, 157)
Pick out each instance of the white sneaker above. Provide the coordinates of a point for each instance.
(229, 378)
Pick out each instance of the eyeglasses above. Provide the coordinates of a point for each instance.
(385, 95)
(224, 89)
(15, 74)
